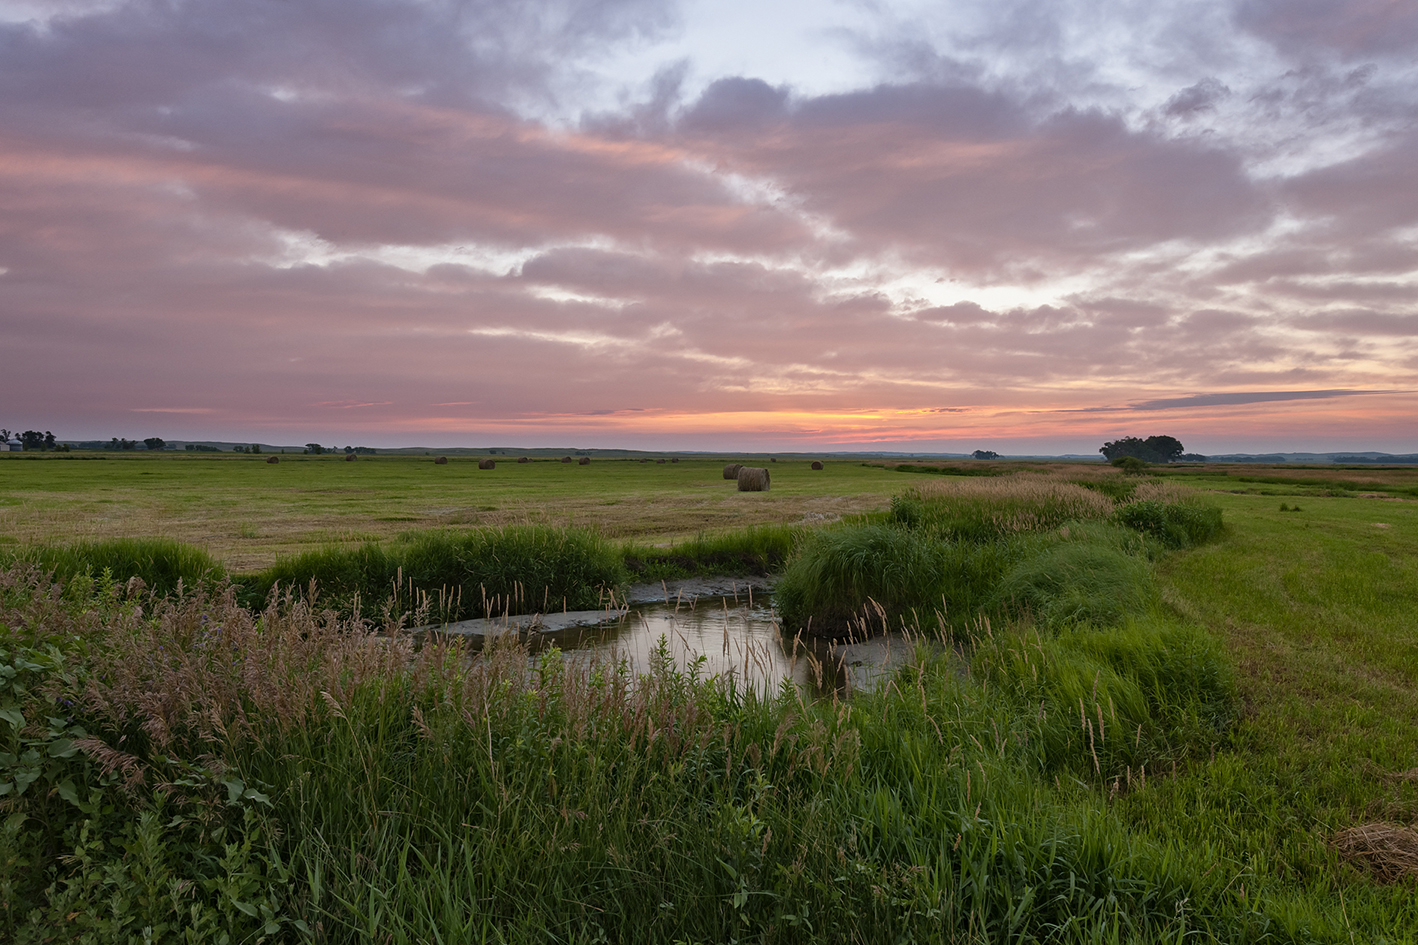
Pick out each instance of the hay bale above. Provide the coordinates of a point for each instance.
(349, 457)
(584, 461)
(660, 461)
(773, 459)
(1389, 851)
(524, 459)
(566, 459)
(644, 461)
(731, 471)
(675, 460)
(441, 461)
(816, 465)
(487, 464)
(274, 459)
(753, 479)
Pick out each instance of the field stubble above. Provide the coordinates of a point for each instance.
(247, 513)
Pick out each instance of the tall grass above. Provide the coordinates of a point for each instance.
(1172, 514)
(160, 563)
(452, 575)
(759, 549)
(866, 573)
(315, 775)
(990, 509)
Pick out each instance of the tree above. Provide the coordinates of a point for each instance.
(154, 442)
(314, 449)
(1154, 449)
(255, 447)
(34, 440)
(985, 454)
(5, 436)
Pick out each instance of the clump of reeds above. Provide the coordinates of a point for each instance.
(162, 563)
(1078, 582)
(844, 575)
(758, 550)
(453, 575)
(988, 509)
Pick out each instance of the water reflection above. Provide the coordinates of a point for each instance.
(738, 640)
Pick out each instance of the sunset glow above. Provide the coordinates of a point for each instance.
(712, 226)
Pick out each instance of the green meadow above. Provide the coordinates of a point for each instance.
(1170, 707)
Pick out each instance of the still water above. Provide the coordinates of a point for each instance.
(726, 626)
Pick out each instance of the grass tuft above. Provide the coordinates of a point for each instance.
(160, 563)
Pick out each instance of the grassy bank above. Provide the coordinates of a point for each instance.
(289, 777)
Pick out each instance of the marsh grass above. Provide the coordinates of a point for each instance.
(161, 563)
(846, 575)
(452, 575)
(991, 509)
(344, 782)
(759, 549)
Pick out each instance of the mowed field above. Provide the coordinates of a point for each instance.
(247, 512)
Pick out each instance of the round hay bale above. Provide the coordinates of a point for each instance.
(753, 479)
(644, 461)
(675, 460)
(731, 471)
(566, 459)
(773, 459)
(350, 457)
(584, 461)
(660, 461)
(441, 461)
(274, 459)
(524, 459)
(487, 464)
(816, 465)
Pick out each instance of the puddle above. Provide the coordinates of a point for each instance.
(728, 622)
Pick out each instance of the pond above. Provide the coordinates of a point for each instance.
(729, 622)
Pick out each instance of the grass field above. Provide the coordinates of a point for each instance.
(246, 512)
(1205, 744)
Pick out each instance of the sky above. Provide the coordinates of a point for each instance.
(1022, 225)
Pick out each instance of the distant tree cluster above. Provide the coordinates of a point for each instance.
(253, 448)
(201, 448)
(985, 454)
(34, 440)
(360, 450)
(154, 442)
(1154, 449)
